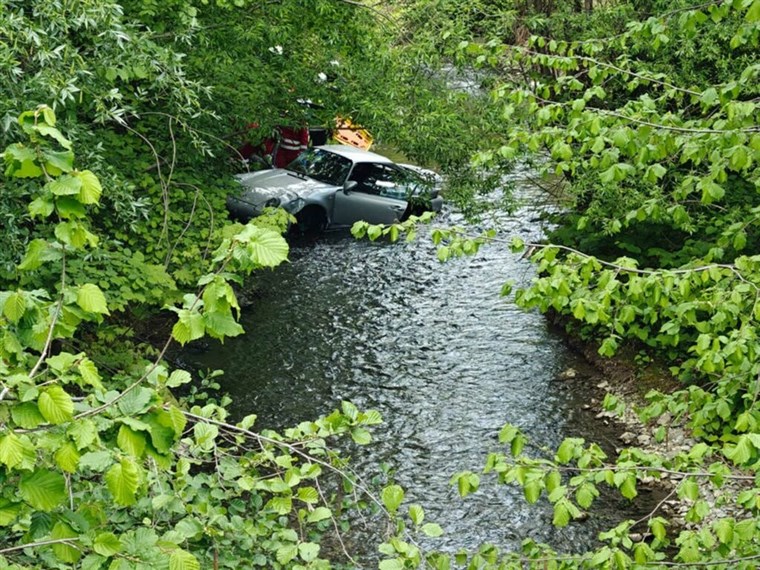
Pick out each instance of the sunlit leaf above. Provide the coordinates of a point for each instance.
(43, 489)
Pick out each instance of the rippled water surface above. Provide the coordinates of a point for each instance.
(436, 350)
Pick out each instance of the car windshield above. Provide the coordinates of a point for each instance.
(321, 165)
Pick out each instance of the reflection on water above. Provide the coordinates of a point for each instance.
(436, 350)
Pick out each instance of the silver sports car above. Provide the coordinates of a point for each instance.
(334, 186)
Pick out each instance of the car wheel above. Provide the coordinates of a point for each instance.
(310, 222)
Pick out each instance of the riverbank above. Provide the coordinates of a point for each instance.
(627, 378)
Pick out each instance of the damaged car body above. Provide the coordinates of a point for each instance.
(334, 186)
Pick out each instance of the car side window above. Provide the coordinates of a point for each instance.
(377, 179)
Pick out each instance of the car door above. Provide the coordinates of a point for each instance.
(377, 198)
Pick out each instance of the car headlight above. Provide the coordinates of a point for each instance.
(272, 203)
(294, 206)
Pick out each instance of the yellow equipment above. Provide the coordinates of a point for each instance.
(354, 135)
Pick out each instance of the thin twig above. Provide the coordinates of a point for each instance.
(67, 541)
(56, 314)
(657, 507)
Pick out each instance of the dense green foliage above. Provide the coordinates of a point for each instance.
(108, 468)
(642, 116)
(644, 119)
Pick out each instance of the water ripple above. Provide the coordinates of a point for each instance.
(431, 346)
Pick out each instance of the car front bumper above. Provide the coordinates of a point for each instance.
(241, 209)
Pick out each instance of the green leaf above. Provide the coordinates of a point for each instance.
(178, 378)
(552, 480)
(657, 525)
(585, 495)
(177, 420)
(70, 208)
(308, 495)
(361, 436)
(532, 490)
(308, 551)
(8, 511)
(56, 405)
(742, 451)
(266, 247)
(67, 457)
(711, 191)
(22, 162)
(35, 255)
(62, 161)
(136, 401)
(688, 489)
(14, 307)
(374, 232)
(724, 530)
(417, 514)
(65, 552)
(432, 530)
(89, 373)
(91, 299)
(205, 434)
(190, 326)
(107, 544)
(628, 488)
(83, 433)
(11, 450)
(130, 441)
(709, 96)
(122, 480)
(163, 434)
(183, 560)
(286, 553)
(516, 245)
(753, 13)
(319, 514)
(566, 450)
(221, 325)
(48, 131)
(43, 489)
(392, 496)
(66, 185)
(281, 505)
(96, 460)
(41, 207)
(561, 514)
(189, 527)
(90, 188)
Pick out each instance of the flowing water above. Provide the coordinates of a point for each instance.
(438, 352)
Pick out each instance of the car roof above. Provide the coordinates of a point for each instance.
(355, 154)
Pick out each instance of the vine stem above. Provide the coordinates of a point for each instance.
(649, 516)
(67, 541)
(283, 444)
(649, 123)
(610, 66)
(662, 470)
(56, 314)
(699, 269)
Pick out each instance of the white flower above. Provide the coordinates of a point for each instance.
(335, 63)
(322, 77)
(276, 49)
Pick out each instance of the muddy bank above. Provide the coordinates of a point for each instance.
(629, 378)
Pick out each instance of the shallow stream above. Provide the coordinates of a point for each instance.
(438, 352)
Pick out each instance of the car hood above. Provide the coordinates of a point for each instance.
(274, 183)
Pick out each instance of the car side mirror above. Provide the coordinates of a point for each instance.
(349, 185)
